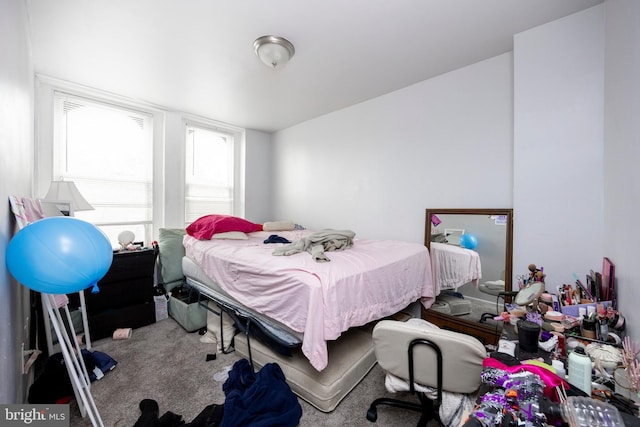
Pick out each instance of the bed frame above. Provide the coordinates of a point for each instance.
(277, 337)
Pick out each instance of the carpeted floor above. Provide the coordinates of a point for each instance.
(163, 362)
(478, 308)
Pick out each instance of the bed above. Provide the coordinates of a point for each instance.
(454, 266)
(313, 301)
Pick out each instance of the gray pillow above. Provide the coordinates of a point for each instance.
(171, 253)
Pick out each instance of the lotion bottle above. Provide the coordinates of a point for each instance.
(580, 370)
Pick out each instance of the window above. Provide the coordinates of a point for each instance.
(107, 150)
(129, 159)
(209, 172)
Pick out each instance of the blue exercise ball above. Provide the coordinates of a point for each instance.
(468, 241)
(59, 255)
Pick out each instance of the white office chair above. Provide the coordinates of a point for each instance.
(426, 355)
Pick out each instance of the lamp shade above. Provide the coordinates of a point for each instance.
(274, 51)
(67, 190)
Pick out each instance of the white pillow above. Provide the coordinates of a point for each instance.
(278, 226)
(231, 235)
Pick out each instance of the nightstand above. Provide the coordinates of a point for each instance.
(126, 294)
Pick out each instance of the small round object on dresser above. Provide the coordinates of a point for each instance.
(125, 238)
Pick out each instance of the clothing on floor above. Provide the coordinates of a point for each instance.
(210, 416)
(53, 385)
(259, 399)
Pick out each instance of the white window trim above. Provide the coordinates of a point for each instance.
(169, 138)
(44, 92)
(238, 155)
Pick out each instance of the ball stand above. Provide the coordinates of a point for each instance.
(73, 359)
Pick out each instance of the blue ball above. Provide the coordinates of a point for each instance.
(468, 241)
(59, 255)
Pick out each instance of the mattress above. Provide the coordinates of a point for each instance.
(280, 337)
(321, 300)
(352, 356)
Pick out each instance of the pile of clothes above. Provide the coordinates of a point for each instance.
(260, 398)
(53, 385)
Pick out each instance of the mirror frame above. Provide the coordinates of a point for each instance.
(487, 334)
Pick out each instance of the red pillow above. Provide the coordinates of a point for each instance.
(205, 227)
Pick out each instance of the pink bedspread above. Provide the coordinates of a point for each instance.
(371, 280)
(454, 266)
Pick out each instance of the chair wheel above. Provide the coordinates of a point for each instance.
(372, 414)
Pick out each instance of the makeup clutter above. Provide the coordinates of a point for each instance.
(579, 330)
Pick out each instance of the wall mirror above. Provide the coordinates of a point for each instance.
(471, 254)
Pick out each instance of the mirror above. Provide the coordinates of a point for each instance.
(471, 255)
(529, 294)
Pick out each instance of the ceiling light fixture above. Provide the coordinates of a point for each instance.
(273, 51)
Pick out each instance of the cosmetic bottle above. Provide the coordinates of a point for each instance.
(580, 370)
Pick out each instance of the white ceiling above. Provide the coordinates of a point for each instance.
(197, 55)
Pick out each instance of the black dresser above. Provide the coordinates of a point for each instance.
(125, 299)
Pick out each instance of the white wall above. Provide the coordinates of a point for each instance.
(558, 147)
(622, 152)
(376, 166)
(258, 176)
(16, 170)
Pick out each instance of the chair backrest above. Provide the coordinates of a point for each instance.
(462, 355)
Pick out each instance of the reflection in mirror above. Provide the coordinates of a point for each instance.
(481, 262)
(471, 254)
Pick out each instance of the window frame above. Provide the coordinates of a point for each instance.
(169, 138)
(45, 89)
(238, 135)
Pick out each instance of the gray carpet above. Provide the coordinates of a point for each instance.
(163, 362)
